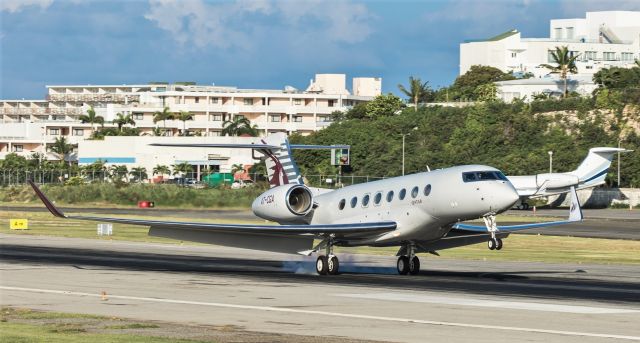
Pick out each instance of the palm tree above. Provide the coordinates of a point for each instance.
(92, 118)
(62, 148)
(161, 170)
(163, 115)
(418, 91)
(239, 126)
(184, 116)
(565, 64)
(138, 173)
(183, 168)
(123, 120)
(118, 172)
(236, 168)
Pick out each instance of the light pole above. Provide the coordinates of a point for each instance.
(550, 161)
(403, 138)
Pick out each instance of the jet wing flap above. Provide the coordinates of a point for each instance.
(349, 228)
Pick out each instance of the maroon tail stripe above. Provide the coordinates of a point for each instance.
(50, 206)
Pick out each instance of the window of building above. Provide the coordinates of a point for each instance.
(54, 132)
(78, 132)
(354, 202)
(215, 117)
(609, 56)
(427, 190)
(18, 148)
(590, 55)
(514, 54)
(197, 100)
(341, 204)
(323, 119)
(215, 133)
(558, 32)
(215, 100)
(297, 102)
(414, 192)
(138, 116)
(402, 194)
(377, 198)
(297, 119)
(365, 200)
(274, 118)
(248, 101)
(550, 56)
(569, 32)
(331, 103)
(627, 56)
(389, 196)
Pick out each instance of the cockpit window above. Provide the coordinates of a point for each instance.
(483, 176)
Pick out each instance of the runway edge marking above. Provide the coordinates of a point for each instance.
(325, 313)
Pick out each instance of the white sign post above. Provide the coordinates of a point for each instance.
(105, 229)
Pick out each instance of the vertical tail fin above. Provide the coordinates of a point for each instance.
(281, 167)
(593, 169)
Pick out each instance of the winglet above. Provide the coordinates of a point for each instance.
(575, 212)
(50, 206)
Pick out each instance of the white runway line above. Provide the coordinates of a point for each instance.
(326, 313)
(516, 305)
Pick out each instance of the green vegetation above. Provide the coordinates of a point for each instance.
(114, 193)
(91, 118)
(26, 326)
(465, 87)
(239, 126)
(564, 63)
(418, 92)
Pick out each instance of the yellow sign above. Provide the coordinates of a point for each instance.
(18, 224)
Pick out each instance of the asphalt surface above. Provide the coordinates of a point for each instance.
(601, 223)
(452, 301)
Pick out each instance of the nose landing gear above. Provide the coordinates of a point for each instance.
(494, 243)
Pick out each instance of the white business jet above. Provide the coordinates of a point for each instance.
(590, 173)
(421, 212)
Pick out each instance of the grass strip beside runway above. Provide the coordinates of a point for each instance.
(516, 247)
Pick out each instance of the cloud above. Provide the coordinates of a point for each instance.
(13, 6)
(242, 24)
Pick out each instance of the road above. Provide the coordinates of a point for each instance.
(453, 301)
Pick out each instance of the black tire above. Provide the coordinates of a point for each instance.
(403, 265)
(491, 244)
(525, 206)
(498, 243)
(321, 265)
(333, 266)
(414, 266)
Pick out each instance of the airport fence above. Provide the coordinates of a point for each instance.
(74, 177)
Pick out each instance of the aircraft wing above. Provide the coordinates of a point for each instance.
(575, 215)
(353, 228)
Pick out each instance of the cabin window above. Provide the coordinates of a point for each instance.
(414, 192)
(402, 194)
(377, 198)
(365, 200)
(341, 204)
(427, 190)
(354, 202)
(389, 196)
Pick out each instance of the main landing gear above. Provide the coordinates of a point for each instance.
(494, 243)
(329, 263)
(410, 263)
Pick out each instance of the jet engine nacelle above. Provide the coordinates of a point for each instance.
(284, 204)
(556, 180)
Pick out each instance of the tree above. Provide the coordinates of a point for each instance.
(163, 115)
(161, 170)
(13, 161)
(122, 120)
(236, 168)
(183, 168)
(486, 92)
(565, 64)
(239, 126)
(465, 85)
(384, 105)
(138, 173)
(62, 148)
(184, 116)
(91, 118)
(118, 172)
(418, 91)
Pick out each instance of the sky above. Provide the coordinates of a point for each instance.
(254, 44)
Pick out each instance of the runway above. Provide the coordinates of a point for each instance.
(453, 301)
(598, 223)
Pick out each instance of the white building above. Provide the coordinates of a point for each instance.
(602, 40)
(526, 89)
(28, 126)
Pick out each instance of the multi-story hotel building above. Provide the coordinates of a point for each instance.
(28, 126)
(602, 40)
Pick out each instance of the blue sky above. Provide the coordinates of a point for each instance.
(254, 44)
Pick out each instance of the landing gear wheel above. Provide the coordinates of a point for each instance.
(498, 243)
(333, 265)
(525, 206)
(403, 265)
(492, 243)
(414, 266)
(322, 265)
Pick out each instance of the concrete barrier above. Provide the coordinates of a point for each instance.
(600, 197)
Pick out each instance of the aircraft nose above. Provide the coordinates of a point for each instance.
(508, 196)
